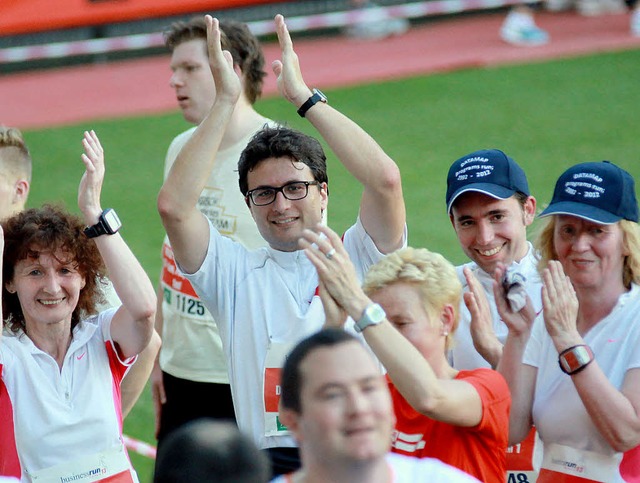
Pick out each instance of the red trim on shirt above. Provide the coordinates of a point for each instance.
(9, 461)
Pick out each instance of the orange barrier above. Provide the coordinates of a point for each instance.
(26, 16)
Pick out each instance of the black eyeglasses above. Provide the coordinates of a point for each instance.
(296, 190)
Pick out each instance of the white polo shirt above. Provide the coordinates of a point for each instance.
(60, 416)
(264, 301)
(558, 411)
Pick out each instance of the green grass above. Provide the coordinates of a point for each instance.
(547, 116)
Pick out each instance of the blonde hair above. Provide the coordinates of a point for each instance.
(630, 241)
(15, 160)
(432, 274)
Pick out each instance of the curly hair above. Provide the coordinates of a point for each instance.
(50, 229)
(282, 142)
(630, 240)
(236, 38)
(432, 274)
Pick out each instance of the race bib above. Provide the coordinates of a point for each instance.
(179, 295)
(274, 360)
(110, 466)
(521, 458)
(563, 464)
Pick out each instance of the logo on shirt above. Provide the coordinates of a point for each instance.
(409, 443)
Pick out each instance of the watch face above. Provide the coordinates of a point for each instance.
(111, 220)
(375, 313)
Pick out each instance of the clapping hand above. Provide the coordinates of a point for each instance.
(226, 79)
(92, 179)
(339, 284)
(560, 303)
(289, 76)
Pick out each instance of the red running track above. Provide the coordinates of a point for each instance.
(76, 94)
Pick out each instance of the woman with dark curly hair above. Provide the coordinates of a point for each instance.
(61, 363)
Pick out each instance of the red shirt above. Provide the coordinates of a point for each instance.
(478, 450)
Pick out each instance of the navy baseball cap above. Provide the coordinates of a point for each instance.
(600, 192)
(487, 171)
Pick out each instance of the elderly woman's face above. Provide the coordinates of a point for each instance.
(48, 287)
(592, 255)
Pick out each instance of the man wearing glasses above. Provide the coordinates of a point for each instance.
(265, 300)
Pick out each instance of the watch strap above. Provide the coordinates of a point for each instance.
(575, 359)
(316, 97)
(96, 230)
(102, 227)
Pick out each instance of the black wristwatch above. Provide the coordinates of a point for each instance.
(317, 96)
(108, 224)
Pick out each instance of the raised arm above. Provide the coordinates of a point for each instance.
(615, 413)
(185, 225)
(448, 400)
(382, 209)
(132, 324)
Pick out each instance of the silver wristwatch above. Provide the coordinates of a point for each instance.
(372, 315)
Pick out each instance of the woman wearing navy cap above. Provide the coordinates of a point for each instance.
(575, 372)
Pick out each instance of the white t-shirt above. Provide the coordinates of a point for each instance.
(61, 415)
(264, 302)
(558, 411)
(191, 345)
(406, 469)
(463, 354)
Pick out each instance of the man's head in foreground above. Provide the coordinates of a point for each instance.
(335, 401)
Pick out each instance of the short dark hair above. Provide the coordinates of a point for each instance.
(237, 39)
(522, 198)
(49, 229)
(210, 450)
(282, 142)
(291, 379)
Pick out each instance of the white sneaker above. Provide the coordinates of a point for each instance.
(517, 30)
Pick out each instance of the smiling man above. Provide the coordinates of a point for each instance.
(490, 208)
(264, 301)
